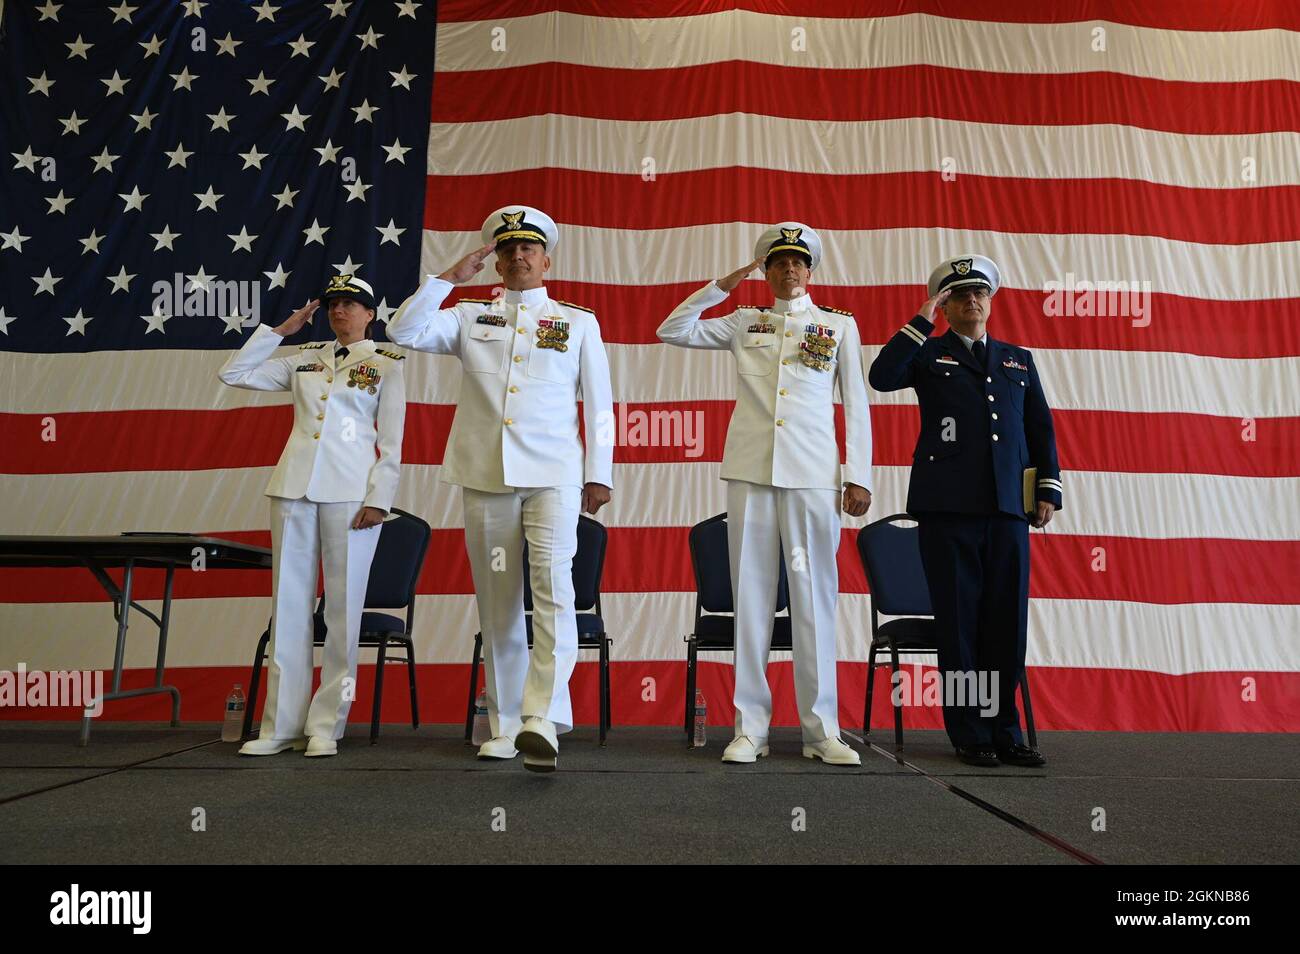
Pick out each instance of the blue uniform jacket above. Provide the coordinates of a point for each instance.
(979, 429)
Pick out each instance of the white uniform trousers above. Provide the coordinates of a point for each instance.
(759, 519)
(303, 534)
(496, 526)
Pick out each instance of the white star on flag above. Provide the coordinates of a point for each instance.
(121, 281)
(134, 200)
(278, 276)
(14, 239)
(58, 203)
(315, 233)
(183, 79)
(296, 120)
(156, 321)
(164, 239)
(45, 283)
(77, 323)
(104, 161)
(253, 158)
(390, 232)
(243, 240)
(199, 279)
(207, 200)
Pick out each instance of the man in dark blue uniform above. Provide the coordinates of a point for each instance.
(983, 471)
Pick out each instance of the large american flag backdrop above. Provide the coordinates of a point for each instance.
(1154, 142)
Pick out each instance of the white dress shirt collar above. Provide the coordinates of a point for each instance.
(530, 296)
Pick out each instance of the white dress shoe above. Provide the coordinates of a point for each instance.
(539, 744)
(500, 747)
(746, 748)
(832, 751)
(271, 746)
(319, 745)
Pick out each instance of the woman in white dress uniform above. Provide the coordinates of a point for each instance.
(330, 492)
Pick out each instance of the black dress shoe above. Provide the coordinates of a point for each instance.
(982, 755)
(1021, 755)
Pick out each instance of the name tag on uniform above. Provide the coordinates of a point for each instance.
(498, 321)
(761, 328)
(310, 367)
(946, 360)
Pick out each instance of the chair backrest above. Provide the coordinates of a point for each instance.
(395, 571)
(891, 557)
(588, 566)
(710, 558)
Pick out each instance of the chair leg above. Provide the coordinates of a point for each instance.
(410, 674)
(473, 686)
(898, 709)
(380, 662)
(603, 689)
(1029, 709)
(609, 695)
(871, 691)
(254, 684)
(691, 661)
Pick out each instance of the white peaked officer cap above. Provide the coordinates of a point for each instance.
(790, 237)
(349, 286)
(520, 222)
(965, 270)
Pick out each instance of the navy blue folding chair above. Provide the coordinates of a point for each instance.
(715, 621)
(891, 558)
(588, 567)
(394, 573)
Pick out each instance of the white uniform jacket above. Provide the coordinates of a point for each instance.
(789, 359)
(524, 357)
(346, 442)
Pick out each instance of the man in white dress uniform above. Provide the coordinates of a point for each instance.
(331, 490)
(516, 452)
(785, 484)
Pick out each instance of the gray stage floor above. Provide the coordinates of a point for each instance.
(132, 794)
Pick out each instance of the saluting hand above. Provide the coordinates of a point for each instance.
(930, 308)
(467, 267)
(857, 500)
(729, 283)
(299, 318)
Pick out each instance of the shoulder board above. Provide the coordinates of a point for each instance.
(312, 347)
(838, 311)
(569, 304)
(474, 301)
(391, 354)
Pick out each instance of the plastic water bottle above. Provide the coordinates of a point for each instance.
(233, 727)
(482, 726)
(701, 719)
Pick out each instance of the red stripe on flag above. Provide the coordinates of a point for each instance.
(657, 559)
(629, 314)
(901, 92)
(1121, 700)
(886, 201)
(1159, 14)
(668, 432)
